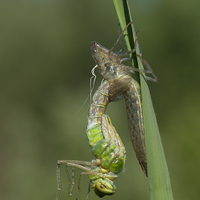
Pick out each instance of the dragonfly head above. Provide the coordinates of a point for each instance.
(98, 51)
(104, 187)
(106, 61)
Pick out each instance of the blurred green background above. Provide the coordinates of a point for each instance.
(45, 65)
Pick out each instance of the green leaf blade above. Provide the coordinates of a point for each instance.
(158, 175)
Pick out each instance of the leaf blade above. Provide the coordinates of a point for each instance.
(158, 175)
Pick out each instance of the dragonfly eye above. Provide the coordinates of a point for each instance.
(104, 187)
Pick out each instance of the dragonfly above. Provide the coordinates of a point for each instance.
(123, 85)
(107, 147)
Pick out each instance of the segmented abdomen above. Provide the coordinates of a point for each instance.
(125, 85)
(97, 109)
(105, 142)
(136, 122)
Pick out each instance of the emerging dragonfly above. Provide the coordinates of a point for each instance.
(122, 84)
(106, 146)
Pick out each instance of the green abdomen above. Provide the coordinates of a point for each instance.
(97, 109)
(106, 144)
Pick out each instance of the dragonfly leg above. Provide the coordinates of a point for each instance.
(58, 181)
(131, 51)
(149, 69)
(72, 163)
(146, 71)
(114, 45)
(71, 183)
(88, 189)
(79, 180)
(122, 48)
(126, 54)
(125, 59)
(79, 189)
(73, 176)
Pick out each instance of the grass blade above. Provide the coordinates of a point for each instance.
(158, 175)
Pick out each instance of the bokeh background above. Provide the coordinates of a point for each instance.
(45, 65)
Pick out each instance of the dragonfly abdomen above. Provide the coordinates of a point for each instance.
(105, 142)
(124, 84)
(97, 109)
(136, 122)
